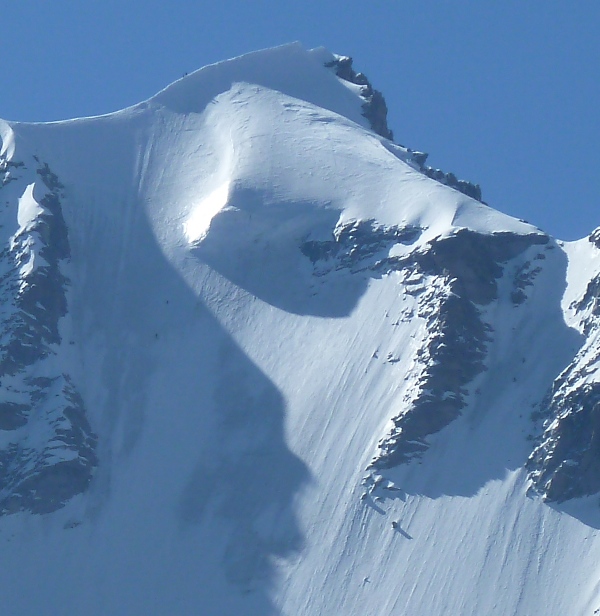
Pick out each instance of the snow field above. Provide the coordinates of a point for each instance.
(239, 399)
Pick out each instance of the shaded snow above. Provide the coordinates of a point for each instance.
(238, 398)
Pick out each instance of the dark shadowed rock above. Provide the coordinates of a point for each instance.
(449, 179)
(465, 268)
(42, 479)
(48, 453)
(374, 107)
(594, 237)
(566, 462)
(356, 246)
(375, 110)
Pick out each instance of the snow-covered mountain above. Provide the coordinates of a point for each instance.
(259, 359)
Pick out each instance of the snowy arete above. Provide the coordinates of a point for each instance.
(259, 359)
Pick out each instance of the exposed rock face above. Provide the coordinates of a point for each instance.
(452, 279)
(49, 454)
(5, 170)
(565, 461)
(35, 281)
(375, 110)
(564, 464)
(357, 246)
(461, 273)
(47, 447)
(468, 188)
(594, 237)
(524, 278)
(452, 355)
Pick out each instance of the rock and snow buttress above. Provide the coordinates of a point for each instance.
(257, 358)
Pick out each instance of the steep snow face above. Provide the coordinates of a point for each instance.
(286, 372)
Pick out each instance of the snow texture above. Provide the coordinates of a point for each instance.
(283, 370)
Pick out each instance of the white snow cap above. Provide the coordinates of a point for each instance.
(279, 129)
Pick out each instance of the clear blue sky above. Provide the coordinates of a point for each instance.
(505, 94)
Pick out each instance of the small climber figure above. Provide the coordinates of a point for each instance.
(395, 525)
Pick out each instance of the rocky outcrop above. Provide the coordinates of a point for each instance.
(7, 168)
(357, 246)
(523, 278)
(34, 284)
(375, 110)
(461, 273)
(49, 454)
(452, 279)
(452, 355)
(564, 463)
(374, 107)
(449, 179)
(590, 305)
(47, 447)
(594, 237)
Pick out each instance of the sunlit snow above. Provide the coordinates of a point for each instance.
(198, 224)
(29, 208)
(238, 398)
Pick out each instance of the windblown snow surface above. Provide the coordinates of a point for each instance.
(237, 372)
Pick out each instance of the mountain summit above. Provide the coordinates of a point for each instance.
(257, 358)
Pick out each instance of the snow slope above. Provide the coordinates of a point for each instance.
(239, 370)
